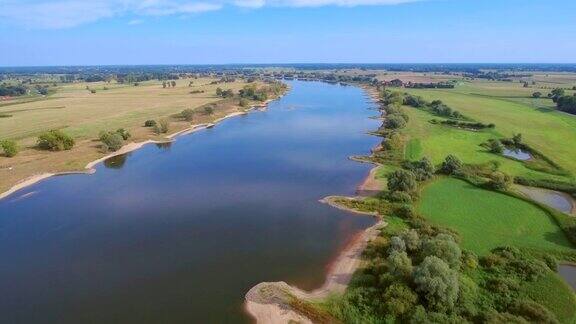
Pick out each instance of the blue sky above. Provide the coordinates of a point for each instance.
(79, 32)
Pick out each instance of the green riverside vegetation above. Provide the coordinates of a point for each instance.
(461, 244)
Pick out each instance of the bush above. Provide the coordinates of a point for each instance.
(537, 94)
(150, 123)
(438, 283)
(499, 181)
(55, 140)
(208, 110)
(162, 127)
(187, 114)
(399, 197)
(401, 180)
(451, 165)
(244, 102)
(395, 122)
(533, 312)
(396, 245)
(495, 146)
(124, 133)
(9, 147)
(411, 240)
(405, 211)
(112, 141)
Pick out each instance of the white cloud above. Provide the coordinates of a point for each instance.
(54, 14)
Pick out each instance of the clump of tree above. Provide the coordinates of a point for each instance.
(162, 127)
(244, 102)
(55, 140)
(9, 147)
(464, 125)
(401, 180)
(537, 94)
(208, 110)
(423, 169)
(113, 141)
(250, 92)
(12, 90)
(567, 104)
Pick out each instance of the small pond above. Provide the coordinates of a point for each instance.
(555, 199)
(568, 273)
(517, 154)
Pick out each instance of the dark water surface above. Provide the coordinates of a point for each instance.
(179, 233)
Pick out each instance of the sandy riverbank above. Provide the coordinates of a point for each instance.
(269, 302)
(89, 168)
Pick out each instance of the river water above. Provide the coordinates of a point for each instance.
(179, 233)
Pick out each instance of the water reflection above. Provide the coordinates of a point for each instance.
(116, 162)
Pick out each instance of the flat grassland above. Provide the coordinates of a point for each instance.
(83, 115)
(510, 108)
(488, 219)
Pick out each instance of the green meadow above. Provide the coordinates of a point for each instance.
(487, 219)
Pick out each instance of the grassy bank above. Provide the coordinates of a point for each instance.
(82, 114)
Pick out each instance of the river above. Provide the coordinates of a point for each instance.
(178, 233)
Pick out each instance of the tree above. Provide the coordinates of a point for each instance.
(164, 84)
(208, 110)
(150, 123)
(173, 83)
(411, 240)
(423, 169)
(437, 283)
(537, 94)
(9, 147)
(219, 92)
(399, 299)
(557, 93)
(55, 140)
(401, 180)
(396, 244)
(444, 247)
(399, 264)
(451, 165)
(162, 127)
(567, 104)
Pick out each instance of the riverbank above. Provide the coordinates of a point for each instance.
(89, 168)
(270, 302)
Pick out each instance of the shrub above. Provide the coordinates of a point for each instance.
(162, 127)
(399, 197)
(437, 282)
(451, 165)
(9, 147)
(499, 181)
(533, 312)
(244, 102)
(469, 260)
(405, 211)
(395, 122)
(208, 110)
(112, 141)
(537, 94)
(187, 114)
(495, 146)
(124, 133)
(55, 140)
(401, 180)
(150, 123)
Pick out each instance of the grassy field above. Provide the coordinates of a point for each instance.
(83, 115)
(544, 129)
(487, 219)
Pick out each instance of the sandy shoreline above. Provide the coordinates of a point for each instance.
(89, 168)
(268, 302)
